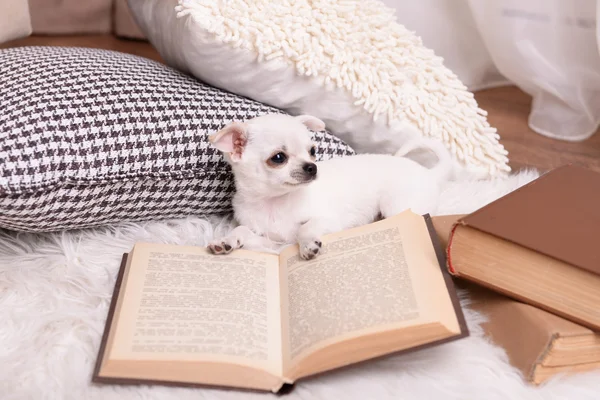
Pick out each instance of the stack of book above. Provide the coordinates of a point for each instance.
(532, 263)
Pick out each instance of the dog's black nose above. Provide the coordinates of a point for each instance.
(310, 169)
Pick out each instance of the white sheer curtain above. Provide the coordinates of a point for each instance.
(548, 48)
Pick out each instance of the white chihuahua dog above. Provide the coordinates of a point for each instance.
(283, 196)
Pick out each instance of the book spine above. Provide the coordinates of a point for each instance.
(449, 263)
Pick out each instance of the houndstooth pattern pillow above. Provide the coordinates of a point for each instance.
(93, 137)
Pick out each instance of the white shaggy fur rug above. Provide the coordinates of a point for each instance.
(55, 291)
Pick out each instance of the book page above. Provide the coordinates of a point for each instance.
(365, 280)
(182, 303)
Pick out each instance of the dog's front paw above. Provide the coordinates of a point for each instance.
(310, 249)
(224, 245)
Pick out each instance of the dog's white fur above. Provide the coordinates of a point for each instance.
(277, 204)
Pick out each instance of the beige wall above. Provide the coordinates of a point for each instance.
(124, 23)
(59, 17)
(20, 18)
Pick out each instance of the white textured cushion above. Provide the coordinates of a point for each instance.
(349, 63)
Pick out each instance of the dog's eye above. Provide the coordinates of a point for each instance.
(313, 151)
(279, 158)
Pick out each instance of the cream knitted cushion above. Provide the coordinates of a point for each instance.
(347, 62)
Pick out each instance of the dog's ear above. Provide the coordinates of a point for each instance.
(231, 139)
(312, 123)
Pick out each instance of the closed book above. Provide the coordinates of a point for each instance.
(540, 244)
(540, 344)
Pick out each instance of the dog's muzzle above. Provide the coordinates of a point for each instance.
(305, 174)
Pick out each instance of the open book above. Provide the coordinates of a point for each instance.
(260, 321)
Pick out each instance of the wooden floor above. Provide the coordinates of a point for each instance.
(508, 109)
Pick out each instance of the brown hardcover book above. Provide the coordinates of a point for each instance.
(258, 321)
(539, 244)
(538, 343)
